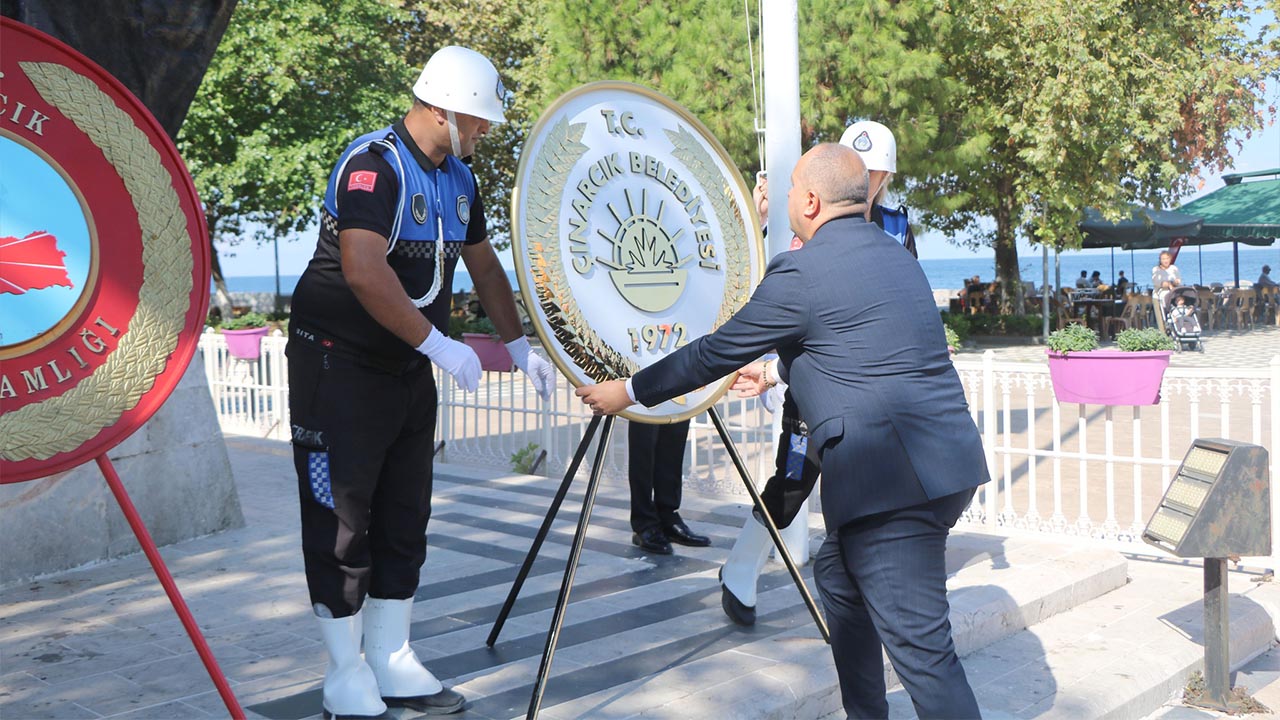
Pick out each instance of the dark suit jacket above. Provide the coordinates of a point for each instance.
(861, 344)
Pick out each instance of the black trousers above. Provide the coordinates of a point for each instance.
(362, 448)
(796, 468)
(656, 455)
(883, 581)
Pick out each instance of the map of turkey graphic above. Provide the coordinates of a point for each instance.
(33, 262)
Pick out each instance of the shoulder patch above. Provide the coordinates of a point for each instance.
(362, 180)
(464, 209)
(419, 206)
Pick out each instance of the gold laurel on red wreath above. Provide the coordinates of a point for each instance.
(63, 423)
(551, 168)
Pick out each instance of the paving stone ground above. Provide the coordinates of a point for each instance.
(644, 636)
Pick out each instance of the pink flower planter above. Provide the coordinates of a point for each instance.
(245, 344)
(491, 351)
(1108, 377)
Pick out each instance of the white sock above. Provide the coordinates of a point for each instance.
(749, 553)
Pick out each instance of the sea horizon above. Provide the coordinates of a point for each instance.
(1209, 266)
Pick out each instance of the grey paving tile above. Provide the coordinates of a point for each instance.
(101, 694)
(173, 710)
(181, 675)
(17, 686)
(258, 691)
(55, 663)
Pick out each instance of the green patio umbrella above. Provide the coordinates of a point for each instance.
(1245, 212)
(1145, 228)
(1240, 212)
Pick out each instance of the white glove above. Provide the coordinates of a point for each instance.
(540, 372)
(456, 358)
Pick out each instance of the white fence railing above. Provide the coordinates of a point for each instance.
(489, 427)
(1087, 471)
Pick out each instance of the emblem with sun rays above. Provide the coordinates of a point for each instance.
(646, 266)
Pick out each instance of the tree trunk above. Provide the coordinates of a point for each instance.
(159, 49)
(1008, 278)
(221, 297)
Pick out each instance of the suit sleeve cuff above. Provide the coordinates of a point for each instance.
(631, 393)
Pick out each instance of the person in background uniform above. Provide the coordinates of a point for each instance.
(369, 320)
(796, 464)
(879, 150)
(886, 410)
(655, 463)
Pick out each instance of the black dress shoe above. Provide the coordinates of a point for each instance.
(445, 702)
(652, 540)
(739, 613)
(678, 532)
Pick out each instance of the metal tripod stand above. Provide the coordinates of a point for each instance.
(580, 536)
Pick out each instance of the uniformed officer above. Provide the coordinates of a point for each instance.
(369, 319)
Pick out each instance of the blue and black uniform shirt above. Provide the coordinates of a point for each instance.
(363, 193)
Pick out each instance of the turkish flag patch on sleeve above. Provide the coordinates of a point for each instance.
(362, 180)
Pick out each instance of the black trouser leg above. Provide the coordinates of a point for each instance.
(641, 441)
(668, 470)
(884, 576)
(402, 503)
(346, 419)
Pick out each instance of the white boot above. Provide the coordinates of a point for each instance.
(746, 559)
(349, 686)
(386, 648)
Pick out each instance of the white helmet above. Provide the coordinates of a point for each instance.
(874, 143)
(462, 80)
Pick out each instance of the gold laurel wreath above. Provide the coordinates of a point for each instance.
(551, 169)
(65, 422)
(737, 280)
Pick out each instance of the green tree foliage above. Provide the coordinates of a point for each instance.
(290, 84)
(294, 81)
(1087, 103)
(693, 51)
(506, 33)
(881, 60)
(871, 59)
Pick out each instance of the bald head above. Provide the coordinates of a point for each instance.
(829, 181)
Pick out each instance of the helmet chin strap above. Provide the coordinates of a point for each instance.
(874, 196)
(453, 134)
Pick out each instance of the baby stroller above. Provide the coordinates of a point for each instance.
(1180, 318)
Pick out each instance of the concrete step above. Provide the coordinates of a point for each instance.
(1127, 654)
(646, 635)
(1260, 677)
(643, 635)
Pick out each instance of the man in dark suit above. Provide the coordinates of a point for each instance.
(861, 345)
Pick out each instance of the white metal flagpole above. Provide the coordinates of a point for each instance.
(780, 50)
(780, 47)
